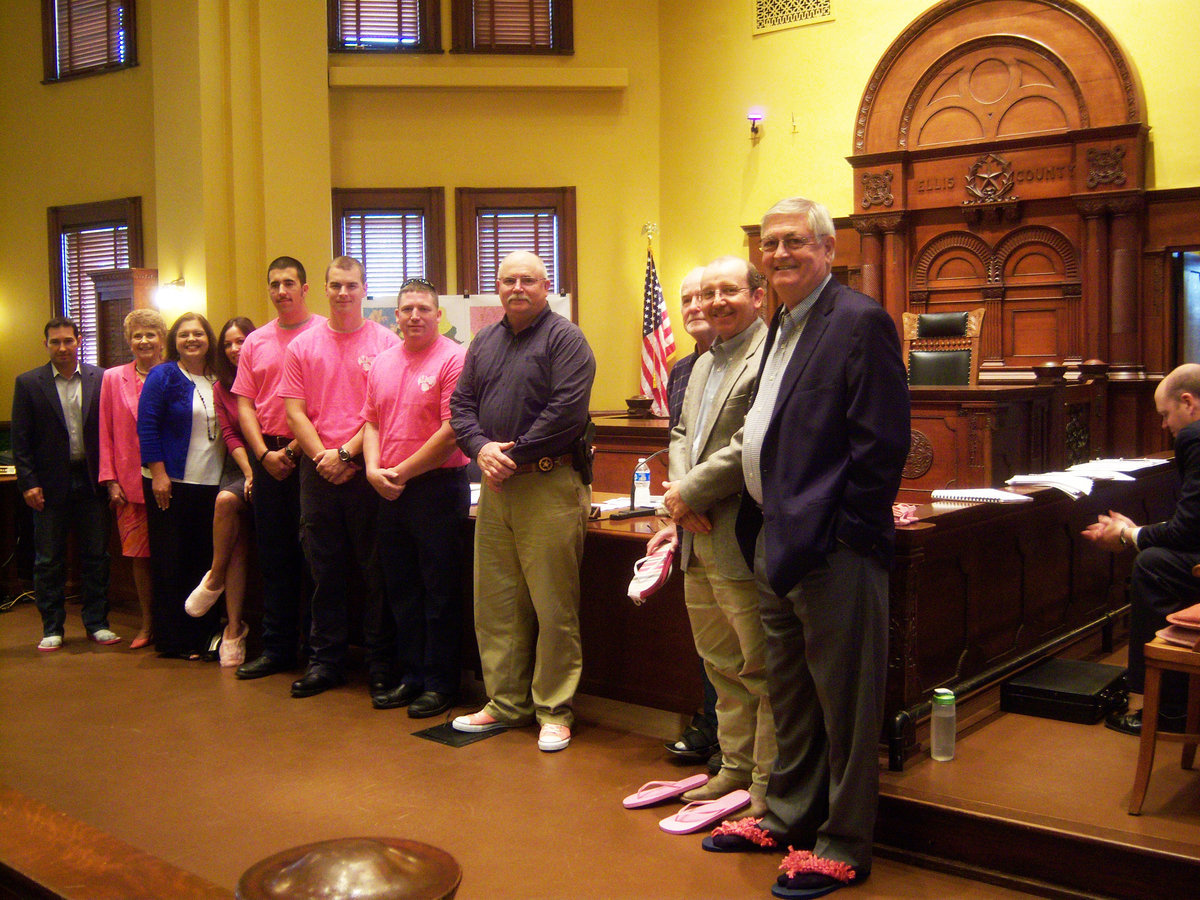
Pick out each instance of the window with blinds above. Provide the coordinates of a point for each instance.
(499, 232)
(395, 233)
(89, 249)
(84, 238)
(512, 26)
(384, 25)
(494, 222)
(87, 37)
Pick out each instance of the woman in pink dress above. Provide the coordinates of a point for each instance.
(231, 530)
(120, 460)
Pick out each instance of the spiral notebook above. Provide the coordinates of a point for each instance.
(979, 495)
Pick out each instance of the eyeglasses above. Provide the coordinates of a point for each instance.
(727, 292)
(418, 283)
(792, 243)
(523, 280)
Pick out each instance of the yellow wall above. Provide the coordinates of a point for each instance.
(714, 70)
(74, 142)
(234, 139)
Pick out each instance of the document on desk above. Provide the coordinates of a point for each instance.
(1114, 469)
(1072, 484)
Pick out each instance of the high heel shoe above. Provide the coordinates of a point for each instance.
(139, 642)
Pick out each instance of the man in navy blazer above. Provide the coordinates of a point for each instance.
(822, 450)
(56, 447)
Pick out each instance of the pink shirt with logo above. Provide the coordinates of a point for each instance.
(408, 398)
(328, 369)
(260, 368)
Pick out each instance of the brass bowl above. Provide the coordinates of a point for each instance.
(640, 406)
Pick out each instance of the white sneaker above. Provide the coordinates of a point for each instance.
(553, 737)
(51, 642)
(651, 572)
(477, 723)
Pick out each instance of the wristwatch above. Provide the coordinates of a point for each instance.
(290, 453)
(1125, 542)
(343, 455)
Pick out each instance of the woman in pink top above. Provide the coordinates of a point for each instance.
(231, 530)
(120, 458)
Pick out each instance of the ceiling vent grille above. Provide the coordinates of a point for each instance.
(774, 15)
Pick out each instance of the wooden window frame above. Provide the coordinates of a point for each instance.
(107, 213)
(50, 69)
(468, 203)
(432, 203)
(562, 33)
(429, 17)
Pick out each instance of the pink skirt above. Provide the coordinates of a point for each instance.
(135, 533)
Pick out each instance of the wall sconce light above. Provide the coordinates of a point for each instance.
(755, 114)
(168, 294)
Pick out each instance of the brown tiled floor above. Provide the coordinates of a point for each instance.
(212, 774)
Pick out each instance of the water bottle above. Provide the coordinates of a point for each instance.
(641, 484)
(941, 725)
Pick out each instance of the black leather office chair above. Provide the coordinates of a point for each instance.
(942, 348)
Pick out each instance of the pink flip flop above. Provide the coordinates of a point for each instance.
(703, 813)
(657, 791)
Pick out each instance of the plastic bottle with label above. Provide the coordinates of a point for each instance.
(942, 722)
(641, 484)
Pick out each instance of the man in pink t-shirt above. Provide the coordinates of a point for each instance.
(323, 387)
(421, 477)
(274, 453)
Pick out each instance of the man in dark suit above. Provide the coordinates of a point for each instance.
(822, 451)
(56, 447)
(1162, 582)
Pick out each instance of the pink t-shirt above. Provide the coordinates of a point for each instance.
(408, 398)
(260, 368)
(328, 369)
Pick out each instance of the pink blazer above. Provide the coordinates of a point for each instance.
(120, 454)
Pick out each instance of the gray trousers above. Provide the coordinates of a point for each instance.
(826, 671)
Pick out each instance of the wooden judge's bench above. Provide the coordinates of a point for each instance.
(977, 591)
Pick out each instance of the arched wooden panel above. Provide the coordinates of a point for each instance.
(995, 87)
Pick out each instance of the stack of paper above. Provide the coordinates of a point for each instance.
(1070, 483)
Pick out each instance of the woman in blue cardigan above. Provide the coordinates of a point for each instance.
(182, 458)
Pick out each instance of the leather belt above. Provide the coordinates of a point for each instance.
(545, 464)
(276, 441)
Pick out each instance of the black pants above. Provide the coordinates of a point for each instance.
(181, 545)
(421, 558)
(337, 530)
(1161, 584)
(281, 562)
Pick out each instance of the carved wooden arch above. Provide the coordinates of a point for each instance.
(940, 71)
(1108, 84)
(1047, 237)
(955, 240)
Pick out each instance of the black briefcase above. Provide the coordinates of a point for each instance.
(1070, 690)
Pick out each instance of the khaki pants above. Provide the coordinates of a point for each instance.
(528, 548)
(728, 632)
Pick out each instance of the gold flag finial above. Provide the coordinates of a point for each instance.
(650, 229)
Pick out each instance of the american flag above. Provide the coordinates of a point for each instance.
(658, 344)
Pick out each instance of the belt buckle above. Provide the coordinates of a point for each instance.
(546, 464)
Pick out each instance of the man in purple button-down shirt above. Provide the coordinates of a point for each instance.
(520, 406)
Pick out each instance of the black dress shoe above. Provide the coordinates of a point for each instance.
(396, 697)
(380, 686)
(1131, 723)
(315, 682)
(430, 703)
(698, 743)
(263, 666)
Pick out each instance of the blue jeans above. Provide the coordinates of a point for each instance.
(84, 511)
